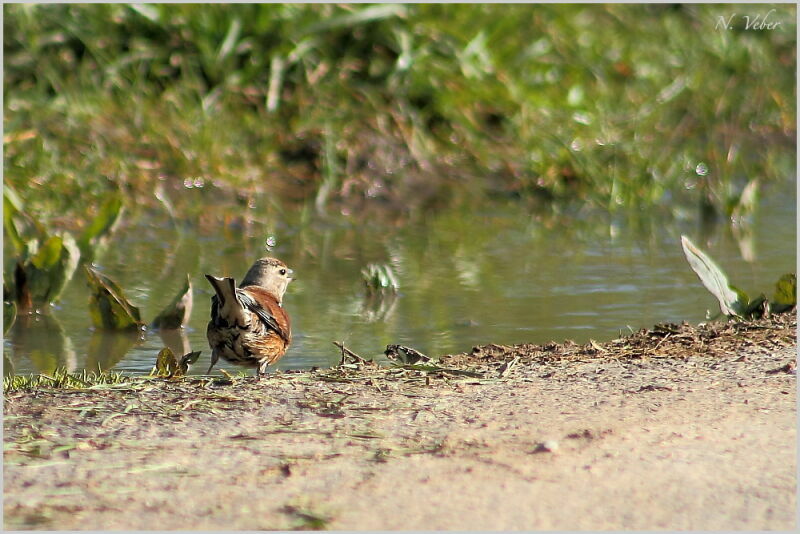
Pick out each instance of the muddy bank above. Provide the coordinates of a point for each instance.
(679, 427)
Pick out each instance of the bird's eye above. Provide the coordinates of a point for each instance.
(283, 271)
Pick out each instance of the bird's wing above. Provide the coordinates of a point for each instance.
(264, 311)
(214, 306)
(225, 304)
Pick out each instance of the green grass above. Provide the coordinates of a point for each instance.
(407, 107)
(62, 379)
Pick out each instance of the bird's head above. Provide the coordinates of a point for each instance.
(271, 274)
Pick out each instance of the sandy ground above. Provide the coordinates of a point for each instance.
(676, 428)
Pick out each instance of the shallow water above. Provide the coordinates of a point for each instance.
(501, 275)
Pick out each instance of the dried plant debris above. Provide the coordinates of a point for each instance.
(488, 362)
(348, 356)
(405, 355)
(663, 341)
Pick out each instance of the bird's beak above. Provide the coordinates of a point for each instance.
(290, 273)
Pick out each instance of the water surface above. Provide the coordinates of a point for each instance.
(501, 275)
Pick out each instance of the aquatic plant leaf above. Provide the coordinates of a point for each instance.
(48, 254)
(757, 308)
(731, 301)
(747, 202)
(11, 199)
(10, 228)
(8, 370)
(108, 306)
(378, 306)
(104, 221)
(102, 225)
(65, 268)
(166, 364)
(22, 293)
(50, 267)
(13, 209)
(785, 296)
(11, 206)
(42, 338)
(33, 283)
(30, 248)
(176, 314)
(176, 339)
(187, 361)
(379, 278)
(9, 315)
(330, 170)
(743, 299)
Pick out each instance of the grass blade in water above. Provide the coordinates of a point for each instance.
(712, 277)
(108, 306)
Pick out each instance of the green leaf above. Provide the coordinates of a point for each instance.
(50, 268)
(230, 40)
(108, 306)
(785, 296)
(361, 16)
(11, 199)
(147, 11)
(166, 364)
(732, 302)
(48, 254)
(757, 308)
(379, 278)
(30, 248)
(102, 225)
(11, 206)
(176, 314)
(747, 202)
(8, 369)
(62, 273)
(187, 361)
(13, 209)
(9, 315)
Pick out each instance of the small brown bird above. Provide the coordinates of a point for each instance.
(248, 324)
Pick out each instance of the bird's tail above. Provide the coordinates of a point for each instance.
(229, 309)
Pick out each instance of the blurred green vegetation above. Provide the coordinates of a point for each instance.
(403, 108)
